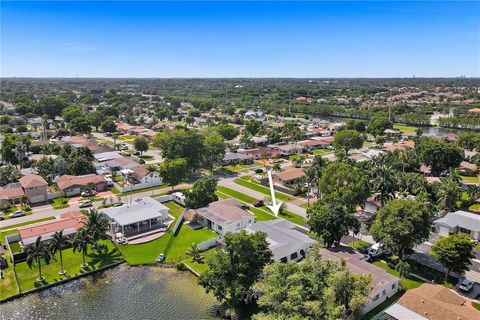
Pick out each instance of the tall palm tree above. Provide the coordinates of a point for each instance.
(151, 171)
(80, 243)
(311, 177)
(473, 192)
(35, 254)
(403, 158)
(195, 252)
(96, 225)
(57, 243)
(384, 183)
(115, 136)
(448, 194)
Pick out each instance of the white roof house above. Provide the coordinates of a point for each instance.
(285, 242)
(141, 215)
(459, 221)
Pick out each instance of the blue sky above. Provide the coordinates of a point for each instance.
(248, 39)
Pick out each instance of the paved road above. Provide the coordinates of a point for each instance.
(229, 183)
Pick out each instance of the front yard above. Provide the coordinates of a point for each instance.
(246, 182)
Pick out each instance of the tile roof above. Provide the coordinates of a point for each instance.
(436, 302)
(11, 191)
(67, 181)
(290, 174)
(32, 180)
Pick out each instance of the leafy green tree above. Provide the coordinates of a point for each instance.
(315, 289)
(469, 140)
(232, 271)
(178, 143)
(108, 125)
(173, 171)
(51, 106)
(80, 124)
(96, 119)
(348, 139)
(403, 268)
(355, 124)
(8, 174)
(70, 113)
(228, 132)
(439, 155)
(350, 183)
(57, 244)
(202, 193)
(253, 127)
(213, 150)
(455, 252)
(37, 253)
(331, 220)
(80, 165)
(401, 224)
(140, 144)
(378, 125)
(7, 150)
(45, 168)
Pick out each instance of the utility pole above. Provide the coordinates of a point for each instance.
(290, 103)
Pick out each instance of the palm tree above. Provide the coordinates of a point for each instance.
(448, 194)
(194, 251)
(96, 225)
(80, 243)
(35, 254)
(57, 243)
(151, 171)
(384, 183)
(403, 158)
(473, 192)
(311, 177)
(115, 136)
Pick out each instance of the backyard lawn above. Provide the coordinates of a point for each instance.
(8, 284)
(27, 277)
(404, 128)
(179, 245)
(244, 181)
(321, 152)
(235, 194)
(470, 179)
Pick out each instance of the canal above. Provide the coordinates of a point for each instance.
(120, 293)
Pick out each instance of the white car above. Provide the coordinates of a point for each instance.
(85, 203)
(466, 285)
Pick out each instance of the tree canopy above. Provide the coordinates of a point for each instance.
(202, 193)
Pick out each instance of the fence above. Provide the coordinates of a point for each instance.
(208, 243)
(179, 223)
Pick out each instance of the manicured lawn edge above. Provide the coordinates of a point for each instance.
(243, 181)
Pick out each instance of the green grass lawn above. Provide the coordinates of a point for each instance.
(200, 267)
(359, 244)
(58, 203)
(127, 137)
(235, 194)
(476, 305)
(244, 181)
(292, 217)
(175, 209)
(8, 284)
(27, 276)
(262, 215)
(15, 246)
(13, 226)
(404, 128)
(110, 143)
(185, 237)
(470, 179)
(4, 234)
(146, 157)
(475, 207)
(406, 282)
(162, 186)
(321, 152)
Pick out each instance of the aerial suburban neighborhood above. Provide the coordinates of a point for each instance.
(176, 196)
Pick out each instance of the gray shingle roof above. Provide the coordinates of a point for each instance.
(461, 219)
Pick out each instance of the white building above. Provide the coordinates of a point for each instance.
(286, 243)
(459, 221)
(224, 216)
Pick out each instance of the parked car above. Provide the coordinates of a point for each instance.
(375, 250)
(85, 203)
(245, 207)
(466, 285)
(118, 204)
(16, 214)
(258, 203)
(1, 217)
(124, 148)
(136, 153)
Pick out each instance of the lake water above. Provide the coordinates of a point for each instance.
(119, 293)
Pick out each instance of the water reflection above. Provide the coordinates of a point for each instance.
(119, 293)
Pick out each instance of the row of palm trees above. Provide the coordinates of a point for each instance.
(94, 229)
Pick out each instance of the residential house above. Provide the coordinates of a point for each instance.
(288, 149)
(73, 185)
(35, 188)
(285, 242)
(384, 285)
(142, 216)
(256, 153)
(459, 221)
(468, 168)
(68, 222)
(232, 158)
(223, 216)
(12, 193)
(312, 144)
(289, 177)
(431, 302)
